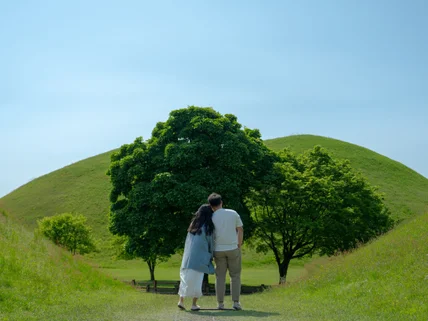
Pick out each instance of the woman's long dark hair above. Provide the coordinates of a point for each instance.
(202, 217)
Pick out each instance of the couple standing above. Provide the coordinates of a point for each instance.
(216, 233)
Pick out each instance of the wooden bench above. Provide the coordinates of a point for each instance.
(171, 287)
(158, 286)
(245, 289)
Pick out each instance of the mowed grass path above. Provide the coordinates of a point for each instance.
(384, 280)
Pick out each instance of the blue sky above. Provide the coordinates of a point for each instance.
(78, 78)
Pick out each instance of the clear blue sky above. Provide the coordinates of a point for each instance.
(78, 78)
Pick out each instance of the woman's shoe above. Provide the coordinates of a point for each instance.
(195, 308)
(181, 306)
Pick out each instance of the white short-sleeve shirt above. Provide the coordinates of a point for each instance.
(225, 223)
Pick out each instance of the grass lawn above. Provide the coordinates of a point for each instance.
(267, 274)
(258, 268)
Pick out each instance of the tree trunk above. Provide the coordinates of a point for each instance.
(152, 265)
(283, 269)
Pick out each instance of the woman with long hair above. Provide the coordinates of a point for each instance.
(197, 256)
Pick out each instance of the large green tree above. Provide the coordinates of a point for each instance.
(312, 203)
(159, 183)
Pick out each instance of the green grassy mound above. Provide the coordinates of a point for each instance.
(83, 187)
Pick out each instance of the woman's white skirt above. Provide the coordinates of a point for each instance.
(190, 283)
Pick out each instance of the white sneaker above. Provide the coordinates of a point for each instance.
(220, 306)
(237, 305)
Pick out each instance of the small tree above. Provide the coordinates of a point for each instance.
(69, 231)
(312, 203)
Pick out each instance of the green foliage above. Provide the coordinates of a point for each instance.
(158, 184)
(312, 203)
(69, 231)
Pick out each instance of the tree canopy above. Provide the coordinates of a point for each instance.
(313, 203)
(159, 183)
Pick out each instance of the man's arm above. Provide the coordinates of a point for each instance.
(240, 231)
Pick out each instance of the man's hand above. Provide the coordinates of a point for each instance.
(240, 231)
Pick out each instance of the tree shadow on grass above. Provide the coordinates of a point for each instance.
(241, 313)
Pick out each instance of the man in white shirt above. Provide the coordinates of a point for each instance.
(228, 236)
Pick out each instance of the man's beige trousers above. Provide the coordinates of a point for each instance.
(228, 260)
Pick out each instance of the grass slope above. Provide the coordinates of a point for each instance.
(82, 187)
(384, 280)
(39, 281)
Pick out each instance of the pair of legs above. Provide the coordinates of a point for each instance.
(194, 305)
(190, 286)
(224, 261)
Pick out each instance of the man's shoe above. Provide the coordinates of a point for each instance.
(237, 305)
(220, 306)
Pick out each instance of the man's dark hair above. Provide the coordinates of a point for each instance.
(214, 199)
